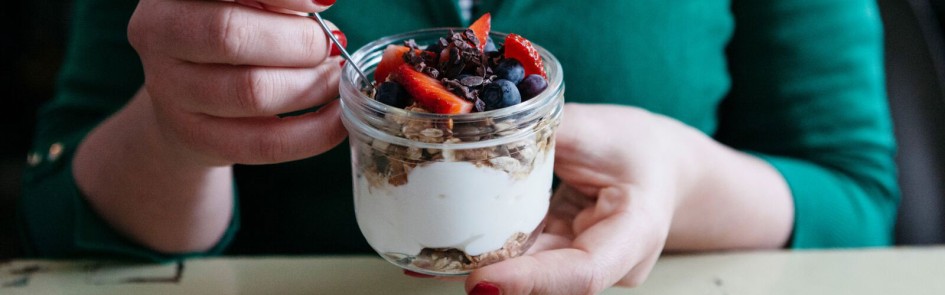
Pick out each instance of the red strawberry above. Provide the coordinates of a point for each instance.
(481, 27)
(519, 48)
(393, 58)
(429, 92)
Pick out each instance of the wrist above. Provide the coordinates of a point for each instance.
(148, 189)
(130, 143)
(693, 158)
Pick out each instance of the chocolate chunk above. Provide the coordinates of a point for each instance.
(470, 36)
(459, 89)
(480, 105)
(432, 72)
(471, 81)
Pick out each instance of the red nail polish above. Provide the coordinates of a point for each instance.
(342, 63)
(341, 39)
(407, 272)
(324, 2)
(485, 288)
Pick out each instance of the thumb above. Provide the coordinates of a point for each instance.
(564, 271)
(613, 243)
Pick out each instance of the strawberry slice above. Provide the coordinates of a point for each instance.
(519, 48)
(481, 28)
(429, 92)
(393, 58)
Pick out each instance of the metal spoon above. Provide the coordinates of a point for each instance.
(344, 53)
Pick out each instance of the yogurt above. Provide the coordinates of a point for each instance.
(460, 205)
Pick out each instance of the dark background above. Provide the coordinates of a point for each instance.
(34, 40)
(35, 37)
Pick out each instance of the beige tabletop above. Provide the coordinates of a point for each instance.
(868, 271)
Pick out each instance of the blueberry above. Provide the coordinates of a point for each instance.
(499, 94)
(392, 94)
(532, 86)
(510, 69)
(490, 46)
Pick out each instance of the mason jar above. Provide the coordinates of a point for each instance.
(446, 194)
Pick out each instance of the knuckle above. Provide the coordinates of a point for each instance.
(253, 94)
(315, 38)
(138, 29)
(327, 82)
(228, 35)
(135, 33)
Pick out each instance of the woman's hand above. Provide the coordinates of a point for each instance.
(621, 172)
(634, 182)
(217, 74)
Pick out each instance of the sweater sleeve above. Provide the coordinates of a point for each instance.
(808, 96)
(100, 74)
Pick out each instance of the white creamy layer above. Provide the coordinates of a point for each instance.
(453, 205)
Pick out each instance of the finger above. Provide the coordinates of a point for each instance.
(563, 271)
(265, 140)
(610, 200)
(600, 257)
(639, 273)
(566, 203)
(299, 5)
(245, 91)
(547, 242)
(559, 227)
(230, 33)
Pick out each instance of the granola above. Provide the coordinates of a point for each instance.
(511, 152)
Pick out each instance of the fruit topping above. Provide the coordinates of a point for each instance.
(481, 28)
(519, 48)
(510, 69)
(393, 57)
(531, 86)
(499, 94)
(392, 94)
(460, 73)
(490, 46)
(429, 93)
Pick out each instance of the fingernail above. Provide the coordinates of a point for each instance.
(407, 272)
(342, 64)
(485, 288)
(342, 39)
(324, 2)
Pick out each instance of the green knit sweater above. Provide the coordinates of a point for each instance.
(798, 83)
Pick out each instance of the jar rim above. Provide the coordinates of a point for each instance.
(352, 97)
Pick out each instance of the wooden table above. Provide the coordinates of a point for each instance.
(863, 271)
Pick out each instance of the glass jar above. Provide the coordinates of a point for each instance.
(446, 194)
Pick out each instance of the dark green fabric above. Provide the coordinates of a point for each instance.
(797, 82)
(817, 110)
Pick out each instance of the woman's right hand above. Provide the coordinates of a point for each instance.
(219, 72)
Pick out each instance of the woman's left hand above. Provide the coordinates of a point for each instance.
(623, 171)
(635, 182)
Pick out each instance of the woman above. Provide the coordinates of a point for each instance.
(714, 125)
